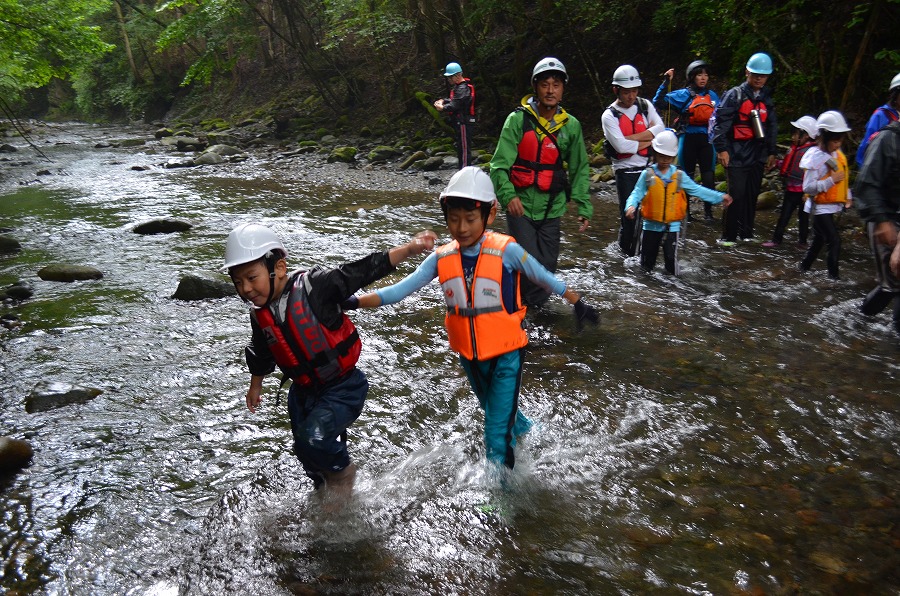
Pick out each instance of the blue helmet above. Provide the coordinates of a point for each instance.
(760, 63)
(452, 69)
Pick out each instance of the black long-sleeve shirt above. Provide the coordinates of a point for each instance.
(877, 190)
(460, 101)
(327, 289)
(751, 151)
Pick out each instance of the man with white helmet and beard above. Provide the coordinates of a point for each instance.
(527, 170)
(629, 125)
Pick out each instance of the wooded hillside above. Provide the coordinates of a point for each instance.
(365, 60)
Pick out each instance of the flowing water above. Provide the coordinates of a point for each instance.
(734, 430)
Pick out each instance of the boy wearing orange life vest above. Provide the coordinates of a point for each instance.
(528, 174)
(744, 138)
(479, 272)
(826, 184)
(661, 193)
(695, 104)
(461, 107)
(629, 125)
(803, 138)
(297, 325)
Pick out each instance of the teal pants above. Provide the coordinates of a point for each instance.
(496, 383)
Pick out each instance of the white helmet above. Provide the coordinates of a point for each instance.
(895, 82)
(832, 121)
(627, 77)
(549, 64)
(808, 125)
(249, 242)
(666, 143)
(470, 183)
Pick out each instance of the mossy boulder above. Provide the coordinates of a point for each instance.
(162, 225)
(344, 154)
(69, 273)
(767, 200)
(9, 244)
(382, 153)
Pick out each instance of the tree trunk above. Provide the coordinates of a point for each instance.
(134, 70)
(850, 87)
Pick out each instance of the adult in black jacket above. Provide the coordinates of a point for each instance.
(744, 148)
(877, 198)
(461, 107)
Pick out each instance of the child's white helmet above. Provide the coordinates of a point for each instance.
(895, 82)
(249, 242)
(808, 125)
(666, 143)
(832, 121)
(470, 183)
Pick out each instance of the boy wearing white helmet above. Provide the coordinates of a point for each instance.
(802, 139)
(661, 193)
(528, 174)
(298, 325)
(460, 105)
(744, 137)
(479, 274)
(826, 184)
(881, 117)
(629, 125)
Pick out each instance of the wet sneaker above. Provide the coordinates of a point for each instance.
(750, 240)
(770, 244)
(725, 243)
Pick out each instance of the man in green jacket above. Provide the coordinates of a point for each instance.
(528, 174)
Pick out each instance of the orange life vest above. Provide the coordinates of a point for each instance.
(742, 128)
(838, 192)
(304, 349)
(665, 201)
(630, 127)
(699, 109)
(538, 162)
(478, 325)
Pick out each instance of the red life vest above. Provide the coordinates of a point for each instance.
(470, 116)
(538, 162)
(742, 128)
(700, 108)
(307, 351)
(630, 127)
(790, 168)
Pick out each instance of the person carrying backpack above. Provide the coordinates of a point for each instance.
(881, 117)
(694, 104)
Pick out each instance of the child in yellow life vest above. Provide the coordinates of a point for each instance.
(662, 193)
(826, 184)
(479, 275)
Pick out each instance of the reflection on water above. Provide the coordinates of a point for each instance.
(734, 429)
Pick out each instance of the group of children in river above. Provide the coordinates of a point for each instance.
(299, 319)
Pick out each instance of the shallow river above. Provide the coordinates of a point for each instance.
(734, 430)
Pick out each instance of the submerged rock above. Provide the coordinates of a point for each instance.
(163, 225)
(69, 273)
(195, 287)
(18, 291)
(8, 244)
(15, 454)
(49, 395)
(209, 159)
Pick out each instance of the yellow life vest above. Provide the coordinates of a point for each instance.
(477, 323)
(837, 193)
(665, 201)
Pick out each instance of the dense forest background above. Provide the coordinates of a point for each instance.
(345, 63)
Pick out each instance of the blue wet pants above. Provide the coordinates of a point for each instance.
(496, 383)
(319, 421)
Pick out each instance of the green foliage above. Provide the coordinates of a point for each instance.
(43, 39)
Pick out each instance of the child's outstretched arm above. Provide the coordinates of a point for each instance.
(420, 243)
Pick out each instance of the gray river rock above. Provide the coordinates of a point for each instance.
(730, 431)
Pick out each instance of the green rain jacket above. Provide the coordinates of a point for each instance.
(570, 140)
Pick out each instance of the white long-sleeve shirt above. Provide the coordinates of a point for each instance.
(817, 179)
(617, 139)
